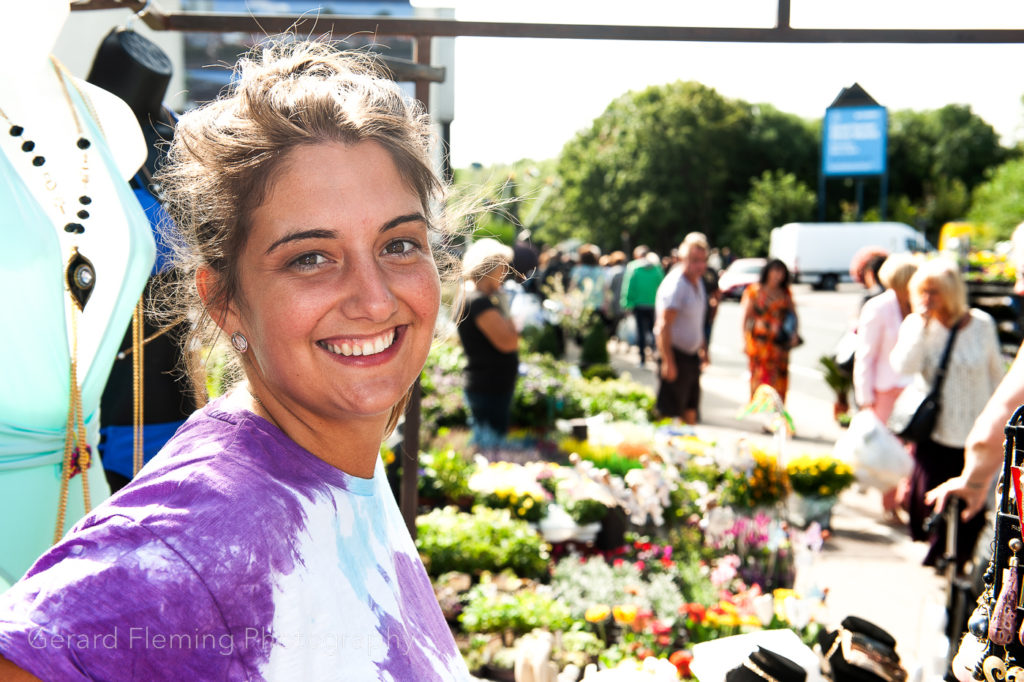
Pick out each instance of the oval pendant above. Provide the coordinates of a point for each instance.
(978, 623)
(80, 276)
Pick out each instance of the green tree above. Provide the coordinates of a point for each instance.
(667, 160)
(999, 202)
(774, 199)
(936, 158)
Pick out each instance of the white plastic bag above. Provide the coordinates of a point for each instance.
(878, 458)
(525, 311)
(626, 330)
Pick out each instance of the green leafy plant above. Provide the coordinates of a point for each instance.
(493, 610)
(483, 540)
(594, 350)
(444, 475)
(585, 510)
(839, 381)
(601, 371)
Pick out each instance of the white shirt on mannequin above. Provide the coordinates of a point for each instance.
(32, 95)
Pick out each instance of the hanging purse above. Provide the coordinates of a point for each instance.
(917, 425)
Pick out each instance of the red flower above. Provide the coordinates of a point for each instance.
(694, 611)
(659, 628)
(681, 660)
(640, 565)
(643, 617)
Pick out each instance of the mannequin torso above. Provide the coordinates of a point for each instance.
(44, 172)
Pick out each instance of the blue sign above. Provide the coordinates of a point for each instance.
(854, 141)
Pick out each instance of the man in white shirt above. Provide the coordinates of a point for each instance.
(680, 308)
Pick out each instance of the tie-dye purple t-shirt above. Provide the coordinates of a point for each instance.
(234, 555)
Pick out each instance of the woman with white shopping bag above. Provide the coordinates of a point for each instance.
(975, 366)
(876, 384)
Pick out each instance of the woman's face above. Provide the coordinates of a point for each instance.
(338, 289)
(776, 276)
(929, 297)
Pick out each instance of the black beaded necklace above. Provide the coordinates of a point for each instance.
(80, 278)
(80, 275)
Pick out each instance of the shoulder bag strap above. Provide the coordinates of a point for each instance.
(940, 374)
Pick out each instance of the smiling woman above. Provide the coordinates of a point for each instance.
(263, 542)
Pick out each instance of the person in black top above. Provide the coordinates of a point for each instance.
(490, 340)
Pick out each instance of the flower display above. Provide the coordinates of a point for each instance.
(818, 476)
(760, 484)
(504, 485)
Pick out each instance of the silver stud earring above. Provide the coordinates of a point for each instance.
(239, 342)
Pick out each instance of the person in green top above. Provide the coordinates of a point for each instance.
(639, 288)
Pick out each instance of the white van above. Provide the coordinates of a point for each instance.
(820, 253)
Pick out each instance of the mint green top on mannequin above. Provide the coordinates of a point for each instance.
(35, 360)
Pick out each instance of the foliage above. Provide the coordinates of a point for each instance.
(489, 609)
(936, 159)
(444, 474)
(601, 371)
(763, 484)
(839, 381)
(594, 350)
(542, 392)
(622, 399)
(999, 201)
(484, 540)
(542, 339)
(679, 149)
(584, 510)
(443, 403)
(582, 584)
(818, 476)
(775, 198)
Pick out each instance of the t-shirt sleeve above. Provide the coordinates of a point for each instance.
(114, 602)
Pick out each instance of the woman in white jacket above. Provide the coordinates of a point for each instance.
(876, 384)
(939, 302)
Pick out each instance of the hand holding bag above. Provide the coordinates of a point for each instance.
(917, 425)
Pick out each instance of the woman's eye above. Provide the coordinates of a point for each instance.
(309, 260)
(401, 247)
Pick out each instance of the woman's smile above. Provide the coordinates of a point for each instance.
(365, 347)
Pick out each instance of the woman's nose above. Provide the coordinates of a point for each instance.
(367, 291)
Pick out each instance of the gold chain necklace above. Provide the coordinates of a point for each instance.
(80, 280)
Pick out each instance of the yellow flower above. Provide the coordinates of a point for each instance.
(624, 614)
(597, 613)
(729, 619)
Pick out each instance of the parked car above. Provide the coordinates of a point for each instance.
(735, 278)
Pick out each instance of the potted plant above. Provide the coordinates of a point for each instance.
(816, 482)
(840, 382)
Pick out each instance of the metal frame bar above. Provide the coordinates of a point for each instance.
(419, 27)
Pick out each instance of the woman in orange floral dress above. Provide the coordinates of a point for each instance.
(769, 328)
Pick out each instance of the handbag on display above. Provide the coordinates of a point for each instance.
(917, 425)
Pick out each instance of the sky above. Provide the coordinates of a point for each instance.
(525, 98)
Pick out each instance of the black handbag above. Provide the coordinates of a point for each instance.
(918, 426)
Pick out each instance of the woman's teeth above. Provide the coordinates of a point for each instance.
(367, 347)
